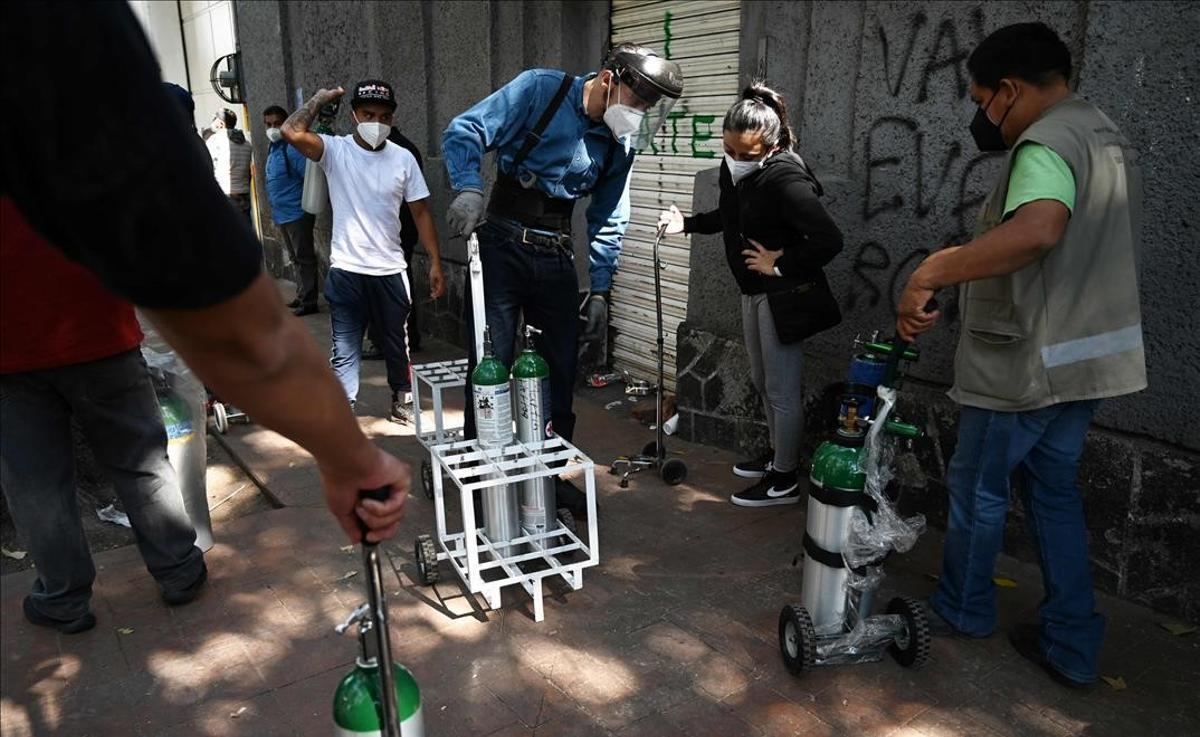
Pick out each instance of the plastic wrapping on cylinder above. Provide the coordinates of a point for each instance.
(863, 644)
(871, 538)
(181, 399)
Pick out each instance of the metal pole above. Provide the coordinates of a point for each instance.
(659, 450)
(377, 600)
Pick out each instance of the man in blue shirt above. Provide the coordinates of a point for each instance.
(557, 139)
(285, 183)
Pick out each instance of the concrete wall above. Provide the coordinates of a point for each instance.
(441, 58)
(878, 95)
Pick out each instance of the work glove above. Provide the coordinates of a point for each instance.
(595, 318)
(465, 211)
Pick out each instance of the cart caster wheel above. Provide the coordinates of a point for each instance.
(220, 418)
(650, 449)
(427, 478)
(911, 647)
(427, 562)
(674, 472)
(567, 520)
(797, 639)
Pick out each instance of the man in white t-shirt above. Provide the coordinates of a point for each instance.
(369, 177)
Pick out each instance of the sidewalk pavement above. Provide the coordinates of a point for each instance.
(673, 634)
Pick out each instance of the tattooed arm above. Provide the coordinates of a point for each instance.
(295, 128)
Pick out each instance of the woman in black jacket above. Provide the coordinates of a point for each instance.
(777, 239)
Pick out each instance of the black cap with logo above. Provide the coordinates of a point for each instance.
(373, 90)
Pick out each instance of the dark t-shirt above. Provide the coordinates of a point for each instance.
(104, 164)
(408, 226)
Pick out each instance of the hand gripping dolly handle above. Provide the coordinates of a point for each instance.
(377, 600)
(891, 370)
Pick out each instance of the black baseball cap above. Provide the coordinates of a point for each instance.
(373, 90)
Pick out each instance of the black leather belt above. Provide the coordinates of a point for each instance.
(534, 238)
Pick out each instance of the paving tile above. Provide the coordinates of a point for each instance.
(774, 715)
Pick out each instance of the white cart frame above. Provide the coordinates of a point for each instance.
(474, 469)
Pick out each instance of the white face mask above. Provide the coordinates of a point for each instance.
(373, 133)
(622, 120)
(274, 135)
(739, 170)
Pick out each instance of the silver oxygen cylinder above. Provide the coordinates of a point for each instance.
(824, 588)
(531, 376)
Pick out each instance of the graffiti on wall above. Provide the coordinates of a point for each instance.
(683, 133)
(916, 174)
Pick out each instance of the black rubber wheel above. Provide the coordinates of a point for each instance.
(650, 449)
(427, 478)
(797, 639)
(673, 472)
(427, 563)
(911, 647)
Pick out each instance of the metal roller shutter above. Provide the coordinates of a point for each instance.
(702, 36)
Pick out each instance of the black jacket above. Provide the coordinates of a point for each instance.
(778, 207)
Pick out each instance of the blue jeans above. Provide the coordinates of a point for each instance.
(1043, 446)
(113, 401)
(356, 299)
(539, 283)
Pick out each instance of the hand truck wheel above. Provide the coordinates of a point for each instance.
(427, 563)
(911, 647)
(797, 639)
(220, 418)
(673, 472)
(427, 478)
(650, 449)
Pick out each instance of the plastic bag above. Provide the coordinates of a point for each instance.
(870, 539)
(863, 644)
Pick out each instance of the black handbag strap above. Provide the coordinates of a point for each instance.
(534, 136)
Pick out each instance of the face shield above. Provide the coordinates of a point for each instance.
(644, 89)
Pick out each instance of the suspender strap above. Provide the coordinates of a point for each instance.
(534, 136)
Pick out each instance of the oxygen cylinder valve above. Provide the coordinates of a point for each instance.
(530, 331)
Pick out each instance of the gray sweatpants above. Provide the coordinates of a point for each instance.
(776, 370)
(114, 401)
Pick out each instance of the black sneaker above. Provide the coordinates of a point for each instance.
(1025, 640)
(401, 409)
(754, 468)
(179, 597)
(293, 304)
(67, 627)
(774, 488)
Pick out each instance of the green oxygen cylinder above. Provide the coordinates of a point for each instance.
(357, 710)
(531, 377)
(493, 401)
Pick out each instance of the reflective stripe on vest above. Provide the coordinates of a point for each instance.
(1093, 346)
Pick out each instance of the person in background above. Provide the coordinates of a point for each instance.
(369, 178)
(69, 351)
(1051, 326)
(231, 154)
(409, 235)
(778, 237)
(285, 183)
(155, 229)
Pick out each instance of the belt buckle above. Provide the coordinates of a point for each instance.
(525, 238)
